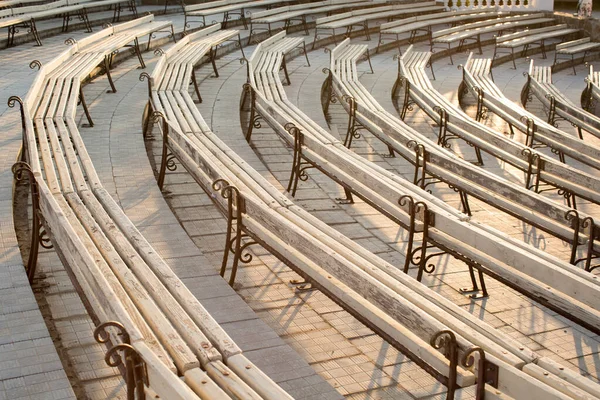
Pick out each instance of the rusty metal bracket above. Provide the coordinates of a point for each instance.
(248, 106)
(167, 161)
(126, 356)
(352, 131)
(299, 163)
(445, 341)
(236, 208)
(487, 372)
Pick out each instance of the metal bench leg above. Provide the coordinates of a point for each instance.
(85, 110)
(138, 52)
(35, 33)
(513, 58)
(573, 62)
(305, 53)
(369, 60)
(86, 20)
(213, 55)
(134, 9)
(107, 64)
(479, 44)
(366, 28)
(196, 87)
(305, 25)
(315, 38)
(285, 71)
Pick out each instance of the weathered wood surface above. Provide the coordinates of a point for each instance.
(120, 274)
(582, 184)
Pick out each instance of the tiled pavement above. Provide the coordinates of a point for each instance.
(348, 355)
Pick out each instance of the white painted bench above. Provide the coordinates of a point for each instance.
(574, 47)
(360, 18)
(477, 75)
(492, 142)
(528, 37)
(289, 14)
(539, 84)
(443, 165)
(329, 155)
(26, 16)
(229, 8)
(156, 325)
(474, 30)
(424, 23)
(575, 182)
(272, 220)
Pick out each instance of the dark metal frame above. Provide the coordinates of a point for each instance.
(124, 356)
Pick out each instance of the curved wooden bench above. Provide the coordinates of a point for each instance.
(289, 14)
(537, 167)
(530, 37)
(570, 49)
(360, 18)
(328, 259)
(324, 152)
(474, 30)
(441, 164)
(424, 23)
(478, 79)
(228, 8)
(539, 84)
(26, 16)
(120, 276)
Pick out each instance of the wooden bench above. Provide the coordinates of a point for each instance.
(417, 87)
(26, 17)
(360, 177)
(366, 110)
(289, 14)
(530, 37)
(360, 18)
(312, 248)
(474, 30)
(570, 49)
(157, 327)
(424, 23)
(539, 84)
(538, 132)
(442, 165)
(228, 8)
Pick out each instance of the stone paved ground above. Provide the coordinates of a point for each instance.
(348, 355)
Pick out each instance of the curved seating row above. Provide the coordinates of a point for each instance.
(360, 18)
(539, 84)
(147, 312)
(331, 261)
(360, 177)
(537, 166)
(443, 164)
(424, 23)
(298, 12)
(570, 49)
(27, 16)
(474, 30)
(528, 37)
